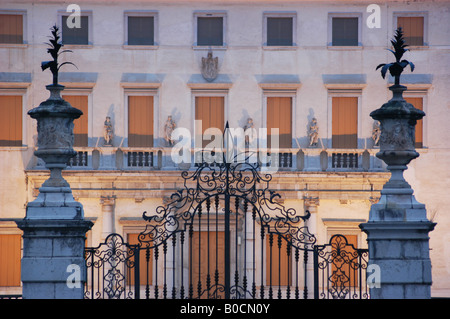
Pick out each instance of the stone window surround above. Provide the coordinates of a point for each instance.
(140, 91)
(25, 30)
(423, 14)
(210, 14)
(87, 13)
(275, 14)
(142, 13)
(332, 15)
(22, 91)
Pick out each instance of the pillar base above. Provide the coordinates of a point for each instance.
(53, 264)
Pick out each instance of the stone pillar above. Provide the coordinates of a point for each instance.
(107, 203)
(311, 204)
(397, 229)
(54, 228)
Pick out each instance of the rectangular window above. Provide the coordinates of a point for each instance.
(345, 122)
(279, 31)
(75, 35)
(10, 255)
(210, 110)
(140, 121)
(10, 120)
(417, 102)
(278, 265)
(413, 29)
(279, 115)
(344, 31)
(210, 31)
(141, 30)
(80, 129)
(11, 28)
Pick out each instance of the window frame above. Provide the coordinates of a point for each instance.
(129, 91)
(210, 14)
(18, 92)
(149, 13)
(332, 15)
(83, 13)
(408, 14)
(24, 43)
(266, 16)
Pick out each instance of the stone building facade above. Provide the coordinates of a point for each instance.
(280, 63)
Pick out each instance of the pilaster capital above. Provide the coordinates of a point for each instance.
(107, 200)
(310, 201)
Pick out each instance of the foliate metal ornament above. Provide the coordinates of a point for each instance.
(210, 67)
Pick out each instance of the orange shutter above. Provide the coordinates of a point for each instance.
(11, 28)
(210, 260)
(140, 121)
(345, 122)
(210, 110)
(145, 268)
(279, 115)
(80, 129)
(417, 102)
(10, 256)
(278, 268)
(10, 120)
(412, 29)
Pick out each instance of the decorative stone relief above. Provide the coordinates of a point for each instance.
(210, 67)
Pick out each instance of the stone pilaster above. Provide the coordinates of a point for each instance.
(108, 203)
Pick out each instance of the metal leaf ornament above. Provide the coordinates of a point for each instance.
(55, 46)
(396, 68)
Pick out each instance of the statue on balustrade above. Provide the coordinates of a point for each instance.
(108, 131)
(169, 127)
(250, 132)
(313, 133)
(376, 133)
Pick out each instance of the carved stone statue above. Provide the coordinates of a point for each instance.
(250, 132)
(210, 67)
(108, 132)
(169, 126)
(313, 133)
(376, 132)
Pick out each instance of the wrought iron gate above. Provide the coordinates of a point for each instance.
(224, 235)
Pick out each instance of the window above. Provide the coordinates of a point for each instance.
(345, 31)
(140, 121)
(279, 31)
(344, 122)
(140, 28)
(210, 110)
(80, 129)
(413, 29)
(75, 35)
(279, 115)
(10, 255)
(10, 120)
(417, 102)
(210, 29)
(11, 28)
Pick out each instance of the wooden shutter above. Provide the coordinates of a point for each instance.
(278, 265)
(208, 260)
(11, 28)
(279, 31)
(10, 255)
(10, 120)
(341, 267)
(75, 35)
(345, 31)
(417, 102)
(140, 121)
(345, 122)
(413, 29)
(209, 31)
(210, 110)
(80, 129)
(140, 31)
(145, 268)
(279, 115)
